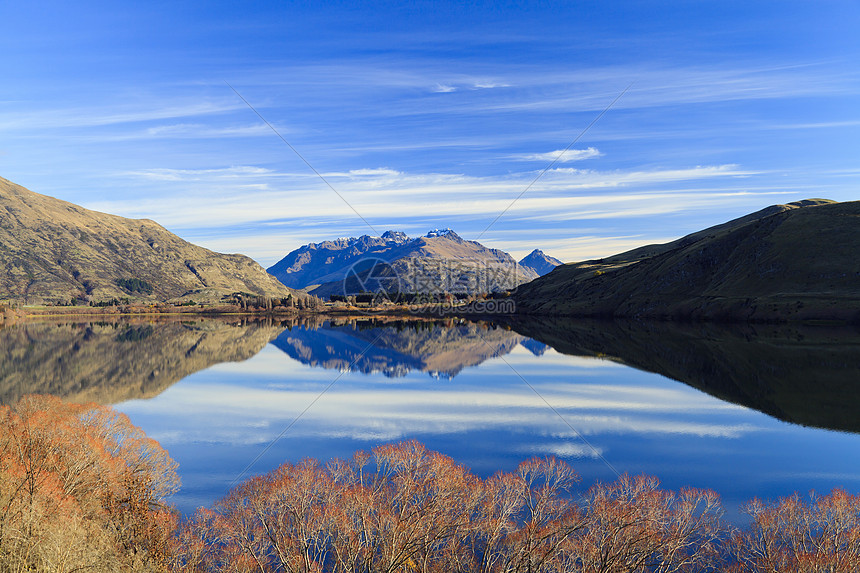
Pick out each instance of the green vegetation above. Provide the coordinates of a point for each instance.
(135, 285)
(112, 302)
(135, 333)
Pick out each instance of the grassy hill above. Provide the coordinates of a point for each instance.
(52, 251)
(799, 261)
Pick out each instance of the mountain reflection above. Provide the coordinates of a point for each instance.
(800, 374)
(113, 361)
(807, 375)
(396, 347)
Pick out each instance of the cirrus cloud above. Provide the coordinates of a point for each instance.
(560, 155)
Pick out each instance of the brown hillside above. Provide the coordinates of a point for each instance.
(54, 251)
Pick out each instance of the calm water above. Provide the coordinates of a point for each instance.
(221, 396)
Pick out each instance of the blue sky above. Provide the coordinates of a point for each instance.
(425, 115)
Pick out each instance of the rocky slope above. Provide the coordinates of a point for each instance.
(799, 261)
(440, 261)
(539, 262)
(56, 252)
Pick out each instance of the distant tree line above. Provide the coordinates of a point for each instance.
(124, 301)
(406, 298)
(255, 302)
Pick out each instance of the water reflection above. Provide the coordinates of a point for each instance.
(475, 391)
(110, 361)
(807, 375)
(799, 374)
(394, 347)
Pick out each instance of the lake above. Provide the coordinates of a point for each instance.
(747, 410)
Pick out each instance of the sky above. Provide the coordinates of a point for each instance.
(258, 127)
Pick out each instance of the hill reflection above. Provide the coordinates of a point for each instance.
(807, 375)
(113, 361)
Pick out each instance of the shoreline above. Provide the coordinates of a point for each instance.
(23, 313)
(10, 315)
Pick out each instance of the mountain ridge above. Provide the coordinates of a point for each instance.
(395, 349)
(110, 360)
(799, 261)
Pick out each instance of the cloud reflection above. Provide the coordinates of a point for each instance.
(229, 410)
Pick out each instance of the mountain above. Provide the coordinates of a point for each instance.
(539, 262)
(799, 261)
(54, 251)
(798, 373)
(440, 261)
(319, 263)
(113, 361)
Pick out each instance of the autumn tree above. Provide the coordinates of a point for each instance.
(822, 536)
(526, 517)
(403, 508)
(345, 516)
(81, 488)
(635, 526)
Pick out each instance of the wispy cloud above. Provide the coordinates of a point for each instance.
(299, 208)
(163, 174)
(191, 131)
(560, 155)
(376, 412)
(562, 450)
(818, 125)
(588, 86)
(572, 248)
(490, 85)
(236, 193)
(367, 172)
(105, 115)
